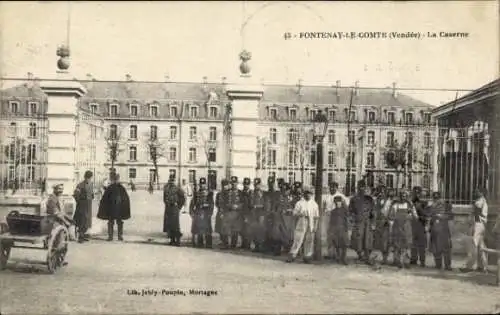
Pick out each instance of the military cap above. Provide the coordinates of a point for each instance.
(171, 177)
(280, 180)
(337, 199)
(271, 179)
(58, 186)
(246, 181)
(417, 189)
(224, 182)
(234, 179)
(308, 190)
(297, 184)
(256, 181)
(203, 181)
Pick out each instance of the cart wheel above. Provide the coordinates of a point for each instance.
(4, 254)
(58, 247)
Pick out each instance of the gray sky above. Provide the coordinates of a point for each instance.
(189, 40)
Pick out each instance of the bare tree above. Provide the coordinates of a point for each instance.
(301, 140)
(401, 157)
(114, 146)
(208, 146)
(156, 151)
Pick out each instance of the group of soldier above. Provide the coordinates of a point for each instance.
(267, 220)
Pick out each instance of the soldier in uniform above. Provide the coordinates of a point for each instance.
(201, 209)
(258, 215)
(246, 214)
(271, 201)
(231, 223)
(361, 208)
(284, 222)
(419, 237)
(382, 232)
(84, 194)
(440, 215)
(220, 203)
(296, 192)
(174, 199)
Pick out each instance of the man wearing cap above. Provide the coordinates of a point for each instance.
(329, 205)
(275, 222)
(271, 197)
(258, 215)
(174, 199)
(382, 232)
(307, 213)
(221, 204)
(55, 213)
(201, 209)
(245, 214)
(440, 216)
(284, 222)
(419, 237)
(231, 223)
(84, 194)
(296, 192)
(114, 206)
(361, 208)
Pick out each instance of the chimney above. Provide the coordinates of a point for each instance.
(299, 86)
(205, 82)
(89, 77)
(30, 76)
(356, 88)
(337, 89)
(128, 77)
(394, 90)
(30, 80)
(223, 80)
(167, 78)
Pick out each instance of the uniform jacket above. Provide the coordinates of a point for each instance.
(115, 203)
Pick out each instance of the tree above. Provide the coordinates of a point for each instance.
(401, 157)
(17, 153)
(301, 140)
(208, 146)
(114, 145)
(156, 151)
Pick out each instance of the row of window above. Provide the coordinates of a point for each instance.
(15, 108)
(21, 154)
(173, 132)
(171, 154)
(370, 115)
(294, 137)
(211, 178)
(154, 110)
(295, 159)
(32, 129)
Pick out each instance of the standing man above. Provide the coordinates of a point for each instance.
(188, 191)
(307, 213)
(361, 208)
(114, 206)
(201, 209)
(84, 194)
(245, 214)
(479, 217)
(440, 215)
(174, 199)
(282, 228)
(382, 229)
(221, 204)
(401, 214)
(329, 205)
(271, 197)
(419, 235)
(258, 214)
(231, 218)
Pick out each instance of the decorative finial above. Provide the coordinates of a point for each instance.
(245, 56)
(63, 62)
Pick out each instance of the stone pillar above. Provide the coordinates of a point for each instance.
(436, 163)
(62, 113)
(245, 114)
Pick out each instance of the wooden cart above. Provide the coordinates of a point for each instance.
(48, 233)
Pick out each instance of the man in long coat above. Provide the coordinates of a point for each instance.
(419, 235)
(382, 232)
(245, 214)
(401, 214)
(440, 245)
(329, 205)
(231, 220)
(361, 208)
(84, 194)
(271, 197)
(114, 206)
(201, 209)
(221, 203)
(174, 199)
(258, 215)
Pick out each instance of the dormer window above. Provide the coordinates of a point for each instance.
(93, 108)
(174, 112)
(273, 113)
(312, 114)
(409, 118)
(427, 117)
(113, 110)
(391, 117)
(153, 110)
(193, 111)
(33, 108)
(213, 111)
(133, 110)
(371, 116)
(331, 115)
(14, 107)
(292, 113)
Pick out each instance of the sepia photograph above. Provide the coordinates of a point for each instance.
(249, 157)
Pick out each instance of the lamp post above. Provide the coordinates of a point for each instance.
(320, 125)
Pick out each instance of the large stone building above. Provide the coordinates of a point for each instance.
(188, 125)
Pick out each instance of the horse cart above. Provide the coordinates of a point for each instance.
(35, 232)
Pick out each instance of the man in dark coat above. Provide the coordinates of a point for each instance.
(361, 208)
(231, 220)
(174, 199)
(201, 209)
(114, 206)
(284, 222)
(84, 194)
(419, 236)
(271, 198)
(245, 214)
(221, 203)
(440, 214)
(258, 206)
